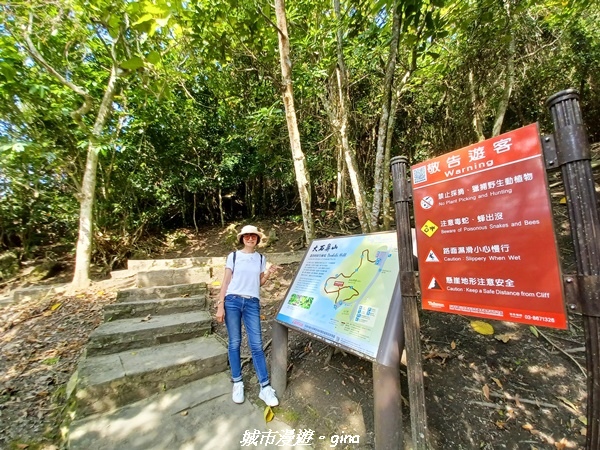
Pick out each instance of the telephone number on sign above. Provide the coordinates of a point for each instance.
(539, 318)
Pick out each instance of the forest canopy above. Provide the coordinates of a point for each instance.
(177, 108)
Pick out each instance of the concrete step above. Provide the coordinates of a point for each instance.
(5, 301)
(145, 265)
(120, 274)
(151, 293)
(155, 307)
(104, 383)
(199, 415)
(37, 292)
(135, 333)
(170, 277)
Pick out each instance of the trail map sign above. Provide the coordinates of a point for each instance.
(342, 292)
(485, 234)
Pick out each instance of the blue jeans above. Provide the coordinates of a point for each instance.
(239, 308)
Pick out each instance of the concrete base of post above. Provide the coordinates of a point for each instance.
(387, 408)
(279, 358)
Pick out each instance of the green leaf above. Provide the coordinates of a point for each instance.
(154, 9)
(114, 24)
(153, 57)
(163, 22)
(8, 72)
(133, 64)
(144, 18)
(535, 331)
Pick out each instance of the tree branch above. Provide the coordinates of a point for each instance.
(270, 21)
(37, 56)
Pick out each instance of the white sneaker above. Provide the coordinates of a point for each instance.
(238, 392)
(267, 395)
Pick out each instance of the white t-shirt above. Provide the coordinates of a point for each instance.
(246, 274)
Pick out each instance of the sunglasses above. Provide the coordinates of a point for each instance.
(248, 236)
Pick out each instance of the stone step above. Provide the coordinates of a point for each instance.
(199, 415)
(154, 307)
(146, 265)
(104, 383)
(169, 277)
(136, 333)
(5, 301)
(37, 292)
(120, 274)
(151, 293)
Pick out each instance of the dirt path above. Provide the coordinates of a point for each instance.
(515, 389)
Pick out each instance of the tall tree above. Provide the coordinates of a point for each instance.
(302, 175)
(388, 84)
(104, 34)
(336, 105)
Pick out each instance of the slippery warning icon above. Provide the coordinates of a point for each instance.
(433, 284)
(431, 257)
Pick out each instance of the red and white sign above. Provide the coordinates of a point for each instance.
(485, 235)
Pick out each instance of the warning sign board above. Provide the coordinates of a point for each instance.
(483, 215)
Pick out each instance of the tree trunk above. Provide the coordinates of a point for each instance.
(194, 213)
(340, 124)
(340, 196)
(387, 213)
(221, 215)
(358, 188)
(510, 77)
(383, 121)
(302, 175)
(83, 255)
(477, 126)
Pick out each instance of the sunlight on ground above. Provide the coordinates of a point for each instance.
(547, 372)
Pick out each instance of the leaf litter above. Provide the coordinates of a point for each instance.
(40, 344)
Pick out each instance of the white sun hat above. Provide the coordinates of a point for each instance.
(250, 229)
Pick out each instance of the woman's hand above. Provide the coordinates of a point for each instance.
(221, 312)
(271, 270)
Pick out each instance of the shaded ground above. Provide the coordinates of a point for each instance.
(510, 390)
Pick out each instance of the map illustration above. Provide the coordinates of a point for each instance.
(343, 289)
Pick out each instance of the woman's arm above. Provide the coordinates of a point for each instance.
(221, 302)
(264, 277)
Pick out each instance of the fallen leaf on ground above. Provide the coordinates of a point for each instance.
(453, 345)
(486, 391)
(568, 403)
(497, 381)
(147, 318)
(435, 354)
(562, 444)
(482, 327)
(184, 413)
(535, 331)
(269, 414)
(503, 337)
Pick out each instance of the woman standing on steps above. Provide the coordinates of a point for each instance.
(245, 273)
